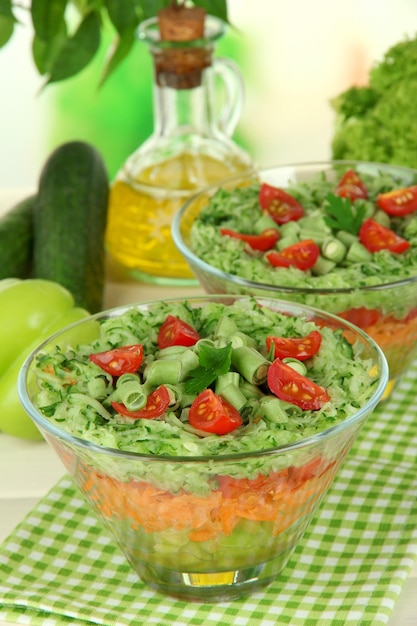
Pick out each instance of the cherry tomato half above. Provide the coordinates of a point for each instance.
(300, 348)
(213, 414)
(119, 361)
(280, 205)
(398, 202)
(156, 405)
(265, 241)
(351, 186)
(289, 385)
(175, 332)
(375, 236)
(302, 255)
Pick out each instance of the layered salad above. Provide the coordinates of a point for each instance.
(342, 241)
(204, 394)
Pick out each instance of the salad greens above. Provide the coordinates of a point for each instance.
(377, 122)
(330, 221)
(76, 394)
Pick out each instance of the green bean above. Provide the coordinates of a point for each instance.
(333, 249)
(250, 364)
(172, 352)
(284, 242)
(322, 266)
(346, 237)
(296, 365)
(163, 372)
(230, 378)
(290, 229)
(271, 408)
(264, 222)
(239, 339)
(357, 253)
(234, 396)
(225, 327)
(382, 218)
(129, 391)
(175, 396)
(249, 390)
(189, 361)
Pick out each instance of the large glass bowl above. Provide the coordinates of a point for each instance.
(237, 535)
(387, 311)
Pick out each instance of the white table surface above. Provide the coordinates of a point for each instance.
(29, 469)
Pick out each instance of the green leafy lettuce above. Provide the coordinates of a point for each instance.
(378, 122)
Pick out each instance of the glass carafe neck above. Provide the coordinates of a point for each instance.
(183, 111)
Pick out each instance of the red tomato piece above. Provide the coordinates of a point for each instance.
(280, 205)
(293, 387)
(300, 348)
(213, 414)
(175, 332)
(315, 467)
(361, 316)
(398, 202)
(351, 186)
(156, 405)
(118, 361)
(264, 241)
(375, 236)
(301, 255)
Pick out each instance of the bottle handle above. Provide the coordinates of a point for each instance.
(234, 92)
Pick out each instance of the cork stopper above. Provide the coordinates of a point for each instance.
(176, 66)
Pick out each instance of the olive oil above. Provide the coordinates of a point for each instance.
(141, 211)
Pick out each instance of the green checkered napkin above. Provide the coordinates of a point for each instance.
(59, 566)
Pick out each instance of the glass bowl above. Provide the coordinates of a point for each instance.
(384, 306)
(220, 516)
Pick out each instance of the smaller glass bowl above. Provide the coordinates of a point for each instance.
(386, 311)
(239, 534)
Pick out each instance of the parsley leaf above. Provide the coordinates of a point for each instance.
(342, 214)
(213, 362)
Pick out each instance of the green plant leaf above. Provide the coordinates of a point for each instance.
(47, 17)
(343, 214)
(77, 51)
(120, 51)
(7, 21)
(150, 8)
(44, 52)
(213, 362)
(123, 14)
(218, 8)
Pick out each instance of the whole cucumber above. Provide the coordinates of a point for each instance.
(16, 239)
(70, 220)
